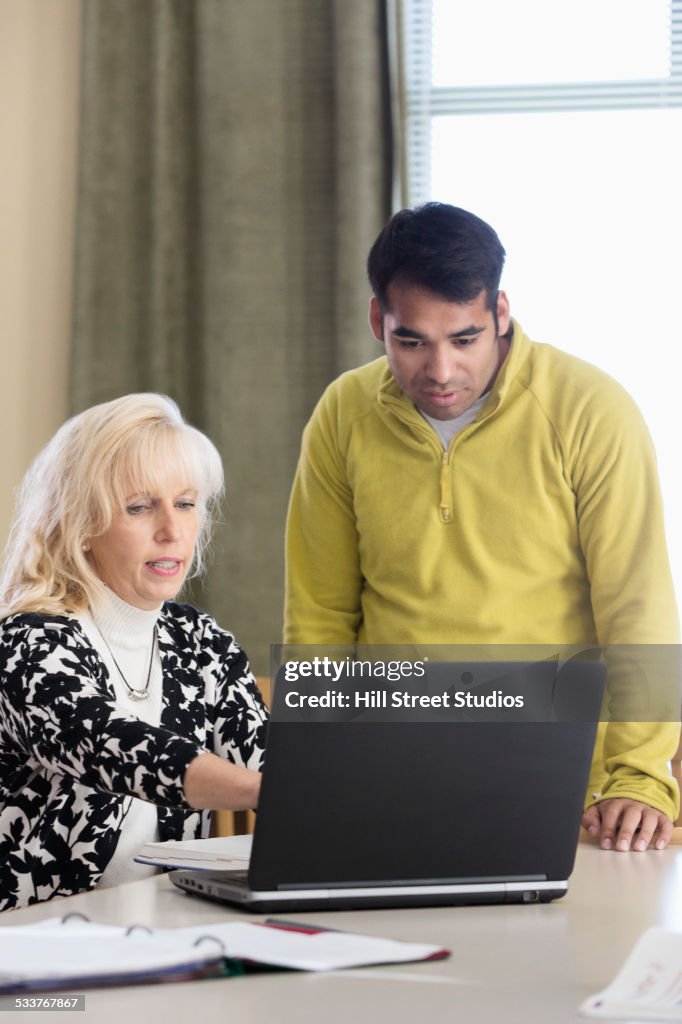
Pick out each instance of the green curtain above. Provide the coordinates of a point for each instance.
(234, 170)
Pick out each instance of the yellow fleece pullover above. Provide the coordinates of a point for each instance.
(541, 524)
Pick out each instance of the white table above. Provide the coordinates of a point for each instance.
(509, 965)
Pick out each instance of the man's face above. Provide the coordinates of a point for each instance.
(444, 355)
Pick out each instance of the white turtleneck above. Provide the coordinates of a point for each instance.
(123, 635)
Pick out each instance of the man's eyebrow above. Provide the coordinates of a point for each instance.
(406, 332)
(466, 332)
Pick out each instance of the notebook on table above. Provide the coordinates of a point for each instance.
(73, 952)
(465, 806)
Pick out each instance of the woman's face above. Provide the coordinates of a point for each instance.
(146, 553)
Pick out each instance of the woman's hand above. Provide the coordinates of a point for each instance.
(214, 783)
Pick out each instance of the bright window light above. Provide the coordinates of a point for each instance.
(587, 203)
(589, 208)
(494, 42)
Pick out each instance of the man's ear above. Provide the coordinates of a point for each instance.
(503, 313)
(376, 319)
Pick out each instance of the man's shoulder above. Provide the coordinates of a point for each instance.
(360, 385)
(350, 399)
(566, 384)
(547, 360)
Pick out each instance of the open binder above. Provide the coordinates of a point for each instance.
(74, 953)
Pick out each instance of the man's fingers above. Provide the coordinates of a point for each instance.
(665, 832)
(617, 834)
(649, 823)
(629, 824)
(591, 820)
(620, 819)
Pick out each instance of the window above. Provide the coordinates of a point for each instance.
(561, 124)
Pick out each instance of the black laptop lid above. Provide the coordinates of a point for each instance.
(380, 797)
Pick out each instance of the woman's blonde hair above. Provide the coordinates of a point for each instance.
(81, 480)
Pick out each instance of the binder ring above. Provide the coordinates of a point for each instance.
(74, 914)
(142, 927)
(210, 938)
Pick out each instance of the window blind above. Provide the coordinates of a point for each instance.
(418, 100)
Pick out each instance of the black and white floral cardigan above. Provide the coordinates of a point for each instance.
(71, 759)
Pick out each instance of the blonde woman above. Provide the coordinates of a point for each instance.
(124, 716)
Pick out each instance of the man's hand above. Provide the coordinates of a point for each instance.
(615, 822)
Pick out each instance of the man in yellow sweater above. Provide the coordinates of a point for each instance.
(474, 487)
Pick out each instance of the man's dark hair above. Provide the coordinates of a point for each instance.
(439, 247)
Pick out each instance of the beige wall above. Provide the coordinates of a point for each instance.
(39, 42)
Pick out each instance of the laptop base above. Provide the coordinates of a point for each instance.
(220, 887)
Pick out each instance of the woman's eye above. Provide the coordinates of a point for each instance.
(185, 504)
(134, 510)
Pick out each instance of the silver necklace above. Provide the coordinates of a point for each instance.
(133, 692)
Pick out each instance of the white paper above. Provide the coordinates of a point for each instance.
(223, 853)
(648, 987)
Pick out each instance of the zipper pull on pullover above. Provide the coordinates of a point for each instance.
(445, 509)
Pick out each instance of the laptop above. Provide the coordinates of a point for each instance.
(477, 802)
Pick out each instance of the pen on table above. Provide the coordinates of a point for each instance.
(296, 926)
